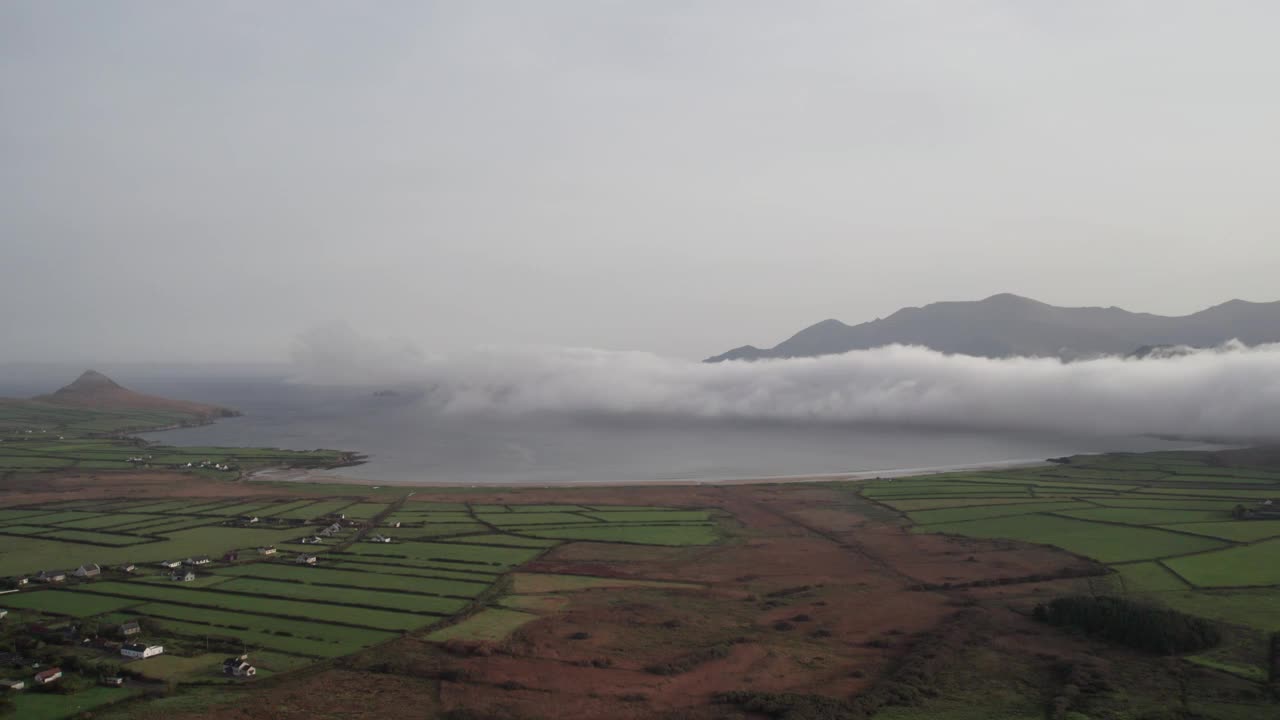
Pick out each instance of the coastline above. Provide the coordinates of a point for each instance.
(303, 475)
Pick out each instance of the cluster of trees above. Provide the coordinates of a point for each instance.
(1133, 624)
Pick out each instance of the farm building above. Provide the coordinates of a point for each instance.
(20, 581)
(183, 576)
(12, 684)
(313, 540)
(130, 628)
(3, 613)
(88, 570)
(379, 538)
(198, 560)
(250, 519)
(128, 567)
(267, 550)
(50, 576)
(113, 681)
(171, 564)
(53, 674)
(139, 651)
(238, 667)
(231, 556)
(305, 559)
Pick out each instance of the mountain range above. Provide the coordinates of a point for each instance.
(1008, 325)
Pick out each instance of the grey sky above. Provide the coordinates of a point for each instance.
(195, 180)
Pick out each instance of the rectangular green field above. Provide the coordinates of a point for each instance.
(1146, 577)
(25, 530)
(938, 504)
(670, 535)
(340, 635)
(400, 601)
(161, 523)
(283, 509)
(1243, 566)
(364, 510)
(266, 639)
(56, 518)
(1167, 503)
(652, 516)
(942, 515)
(64, 602)
(104, 521)
(509, 541)
(316, 510)
(452, 572)
(1146, 516)
(414, 504)
(321, 612)
(177, 506)
(1102, 542)
(1237, 530)
(52, 706)
(248, 507)
(550, 508)
(492, 624)
(28, 555)
(433, 531)
(429, 518)
(358, 579)
(529, 518)
(426, 551)
(11, 515)
(97, 538)
(1256, 608)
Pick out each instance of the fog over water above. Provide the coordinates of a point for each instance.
(578, 415)
(411, 439)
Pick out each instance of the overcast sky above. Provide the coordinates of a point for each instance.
(196, 180)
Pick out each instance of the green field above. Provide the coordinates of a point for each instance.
(410, 567)
(222, 622)
(50, 706)
(491, 624)
(324, 612)
(380, 599)
(452, 553)
(266, 639)
(960, 514)
(356, 579)
(1243, 566)
(1238, 531)
(643, 535)
(1147, 516)
(1129, 510)
(64, 602)
(532, 518)
(1104, 542)
(1147, 577)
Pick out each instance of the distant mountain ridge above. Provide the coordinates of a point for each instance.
(1008, 325)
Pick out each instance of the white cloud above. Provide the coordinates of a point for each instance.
(1229, 391)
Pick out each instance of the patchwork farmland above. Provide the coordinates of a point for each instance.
(341, 573)
(1180, 529)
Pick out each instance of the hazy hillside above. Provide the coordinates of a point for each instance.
(1005, 325)
(95, 390)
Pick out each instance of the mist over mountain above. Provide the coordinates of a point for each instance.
(1008, 325)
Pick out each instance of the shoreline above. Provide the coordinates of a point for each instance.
(304, 475)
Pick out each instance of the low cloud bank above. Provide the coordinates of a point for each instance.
(1232, 391)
